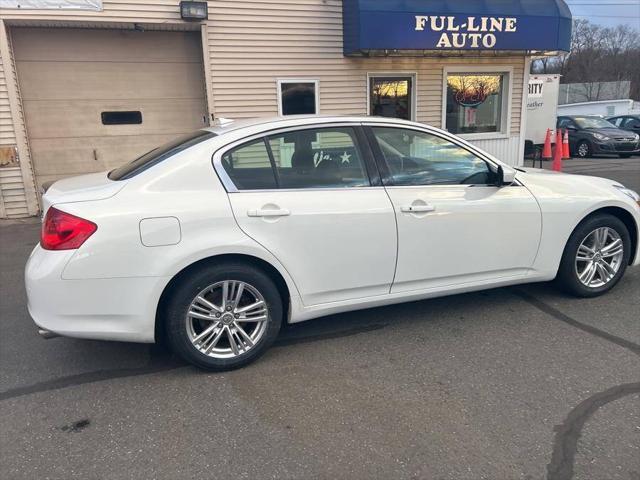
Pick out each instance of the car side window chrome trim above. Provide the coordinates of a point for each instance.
(361, 143)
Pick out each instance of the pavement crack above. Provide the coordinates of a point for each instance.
(565, 443)
(557, 314)
(84, 378)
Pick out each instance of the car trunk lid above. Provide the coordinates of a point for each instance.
(93, 186)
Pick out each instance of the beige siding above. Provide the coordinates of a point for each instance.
(13, 202)
(252, 43)
(7, 133)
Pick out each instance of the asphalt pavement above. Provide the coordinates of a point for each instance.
(513, 383)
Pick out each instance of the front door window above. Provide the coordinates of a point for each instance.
(391, 97)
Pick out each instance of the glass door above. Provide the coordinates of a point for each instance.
(391, 96)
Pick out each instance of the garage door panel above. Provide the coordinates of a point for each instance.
(59, 158)
(84, 80)
(66, 44)
(68, 77)
(82, 118)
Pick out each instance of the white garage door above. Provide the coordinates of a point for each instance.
(94, 99)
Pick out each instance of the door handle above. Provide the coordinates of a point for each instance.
(417, 208)
(281, 212)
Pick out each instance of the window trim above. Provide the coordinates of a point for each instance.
(364, 147)
(316, 87)
(399, 73)
(507, 100)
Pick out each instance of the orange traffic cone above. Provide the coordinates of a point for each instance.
(546, 149)
(557, 153)
(565, 145)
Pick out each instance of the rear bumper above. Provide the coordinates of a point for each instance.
(103, 309)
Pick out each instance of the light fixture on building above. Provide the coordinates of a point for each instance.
(194, 10)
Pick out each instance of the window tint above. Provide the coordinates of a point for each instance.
(617, 121)
(417, 158)
(298, 98)
(159, 154)
(249, 167)
(565, 122)
(318, 158)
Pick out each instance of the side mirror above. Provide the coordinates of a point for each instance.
(505, 176)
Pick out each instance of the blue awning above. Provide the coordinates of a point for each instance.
(516, 25)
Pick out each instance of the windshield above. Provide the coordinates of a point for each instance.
(159, 154)
(593, 122)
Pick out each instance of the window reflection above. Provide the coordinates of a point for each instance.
(474, 103)
(390, 97)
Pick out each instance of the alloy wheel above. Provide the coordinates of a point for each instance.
(599, 257)
(227, 319)
(583, 150)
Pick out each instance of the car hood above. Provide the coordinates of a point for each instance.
(568, 189)
(610, 132)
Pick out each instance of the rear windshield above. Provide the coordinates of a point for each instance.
(159, 154)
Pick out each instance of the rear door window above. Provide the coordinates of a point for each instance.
(249, 166)
(318, 158)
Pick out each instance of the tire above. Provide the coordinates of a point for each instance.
(583, 149)
(624, 155)
(208, 282)
(570, 266)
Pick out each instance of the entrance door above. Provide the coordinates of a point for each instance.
(305, 195)
(454, 226)
(391, 96)
(95, 99)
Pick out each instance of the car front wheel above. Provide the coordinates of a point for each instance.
(595, 257)
(583, 149)
(223, 316)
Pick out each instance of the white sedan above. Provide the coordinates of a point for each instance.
(214, 240)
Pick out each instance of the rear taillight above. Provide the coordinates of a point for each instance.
(63, 231)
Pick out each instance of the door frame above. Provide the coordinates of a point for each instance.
(391, 74)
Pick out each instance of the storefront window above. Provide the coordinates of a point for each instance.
(391, 97)
(475, 103)
(298, 97)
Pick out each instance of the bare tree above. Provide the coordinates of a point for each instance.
(598, 54)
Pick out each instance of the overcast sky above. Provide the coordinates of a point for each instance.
(607, 12)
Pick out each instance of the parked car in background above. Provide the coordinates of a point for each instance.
(590, 134)
(627, 122)
(215, 240)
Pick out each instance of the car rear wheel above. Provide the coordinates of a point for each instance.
(595, 257)
(583, 149)
(223, 316)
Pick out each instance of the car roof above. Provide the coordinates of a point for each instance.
(269, 123)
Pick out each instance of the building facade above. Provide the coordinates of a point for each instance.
(92, 84)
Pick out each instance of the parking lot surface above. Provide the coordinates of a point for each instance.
(513, 383)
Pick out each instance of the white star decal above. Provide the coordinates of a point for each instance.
(345, 157)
